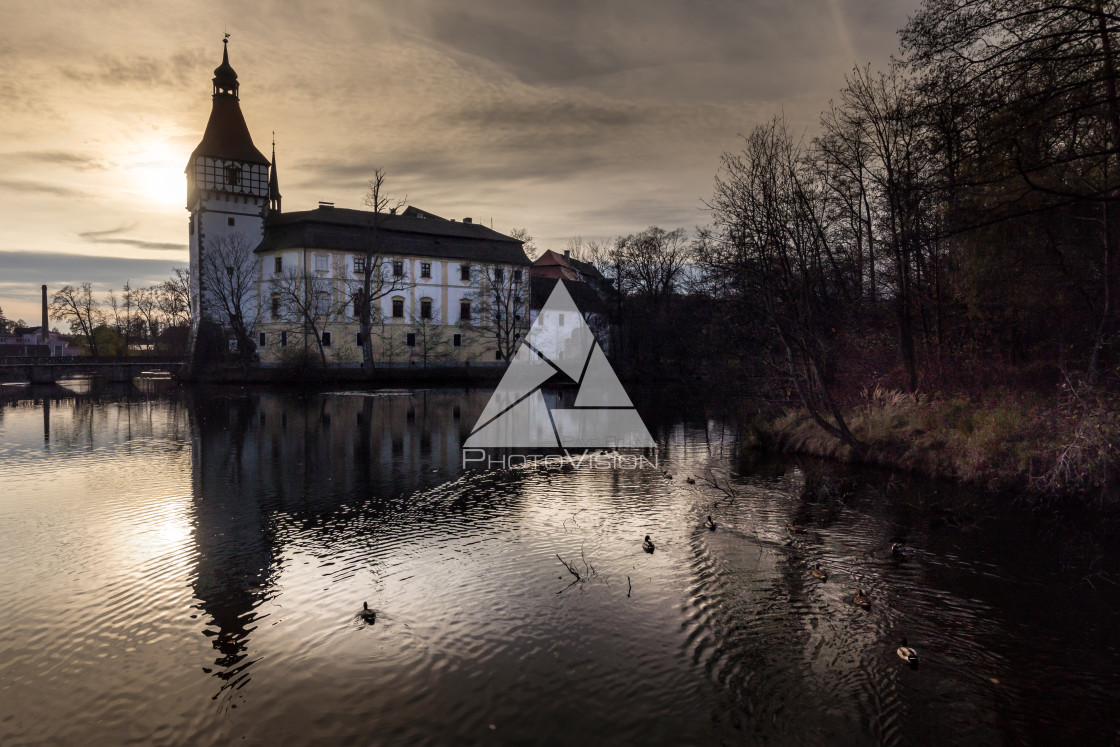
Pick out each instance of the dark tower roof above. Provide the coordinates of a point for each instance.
(227, 135)
(273, 180)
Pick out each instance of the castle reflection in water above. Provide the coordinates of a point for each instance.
(261, 455)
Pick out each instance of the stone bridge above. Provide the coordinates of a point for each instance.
(48, 370)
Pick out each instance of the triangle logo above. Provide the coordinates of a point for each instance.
(517, 415)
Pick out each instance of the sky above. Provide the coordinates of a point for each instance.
(565, 118)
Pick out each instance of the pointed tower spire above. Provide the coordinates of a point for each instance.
(225, 79)
(273, 180)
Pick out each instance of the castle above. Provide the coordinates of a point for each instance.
(296, 284)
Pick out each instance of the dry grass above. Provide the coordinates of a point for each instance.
(1004, 441)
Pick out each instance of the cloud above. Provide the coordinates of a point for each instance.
(28, 186)
(130, 70)
(111, 236)
(25, 271)
(81, 161)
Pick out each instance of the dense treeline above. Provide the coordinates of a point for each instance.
(955, 218)
(951, 231)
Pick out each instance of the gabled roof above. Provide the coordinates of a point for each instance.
(584, 295)
(408, 233)
(552, 258)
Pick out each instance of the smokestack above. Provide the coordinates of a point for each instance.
(46, 329)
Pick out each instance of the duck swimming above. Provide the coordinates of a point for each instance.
(897, 548)
(647, 544)
(711, 525)
(861, 600)
(907, 654)
(819, 572)
(795, 528)
(368, 615)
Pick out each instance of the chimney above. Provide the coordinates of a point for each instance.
(468, 220)
(567, 254)
(46, 329)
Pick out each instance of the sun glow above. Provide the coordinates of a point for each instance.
(157, 172)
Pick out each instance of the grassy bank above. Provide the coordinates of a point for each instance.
(1047, 447)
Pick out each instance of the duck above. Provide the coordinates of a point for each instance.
(897, 548)
(819, 572)
(647, 544)
(690, 480)
(795, 528)
(861, 600)
(907, 654)
(711, 525)
(368, 615)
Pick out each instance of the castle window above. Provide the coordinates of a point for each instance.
(425, 308)
(398, 308)
(262, 339)
(230, 221)
(398, 268)
(233, 176)
(278, 265)
(358, 339)
(359, 264)
(320, 262)
(465, 272)
(284, 338)
(322, 304)
(464, 310)
(275, 301)
(457, 340)
(326, 339)
(517, 276)
(499, 274)
(410, 339)
(425, 269)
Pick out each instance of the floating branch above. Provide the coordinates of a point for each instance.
(570, 567)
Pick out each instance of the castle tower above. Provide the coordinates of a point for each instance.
(227, 186)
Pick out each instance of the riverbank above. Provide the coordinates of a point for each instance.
(1046, 448)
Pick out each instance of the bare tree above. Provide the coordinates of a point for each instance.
(148, 313)
(527, 242)
(78, 308)
(773, 253)
(304, 302)
(377, 276)
(652, 263)
(432, 343)
(175, 298)
(502, 295)
(228, 276)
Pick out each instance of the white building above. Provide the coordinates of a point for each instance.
(451, 291)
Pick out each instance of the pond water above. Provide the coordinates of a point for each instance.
(187, 566)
